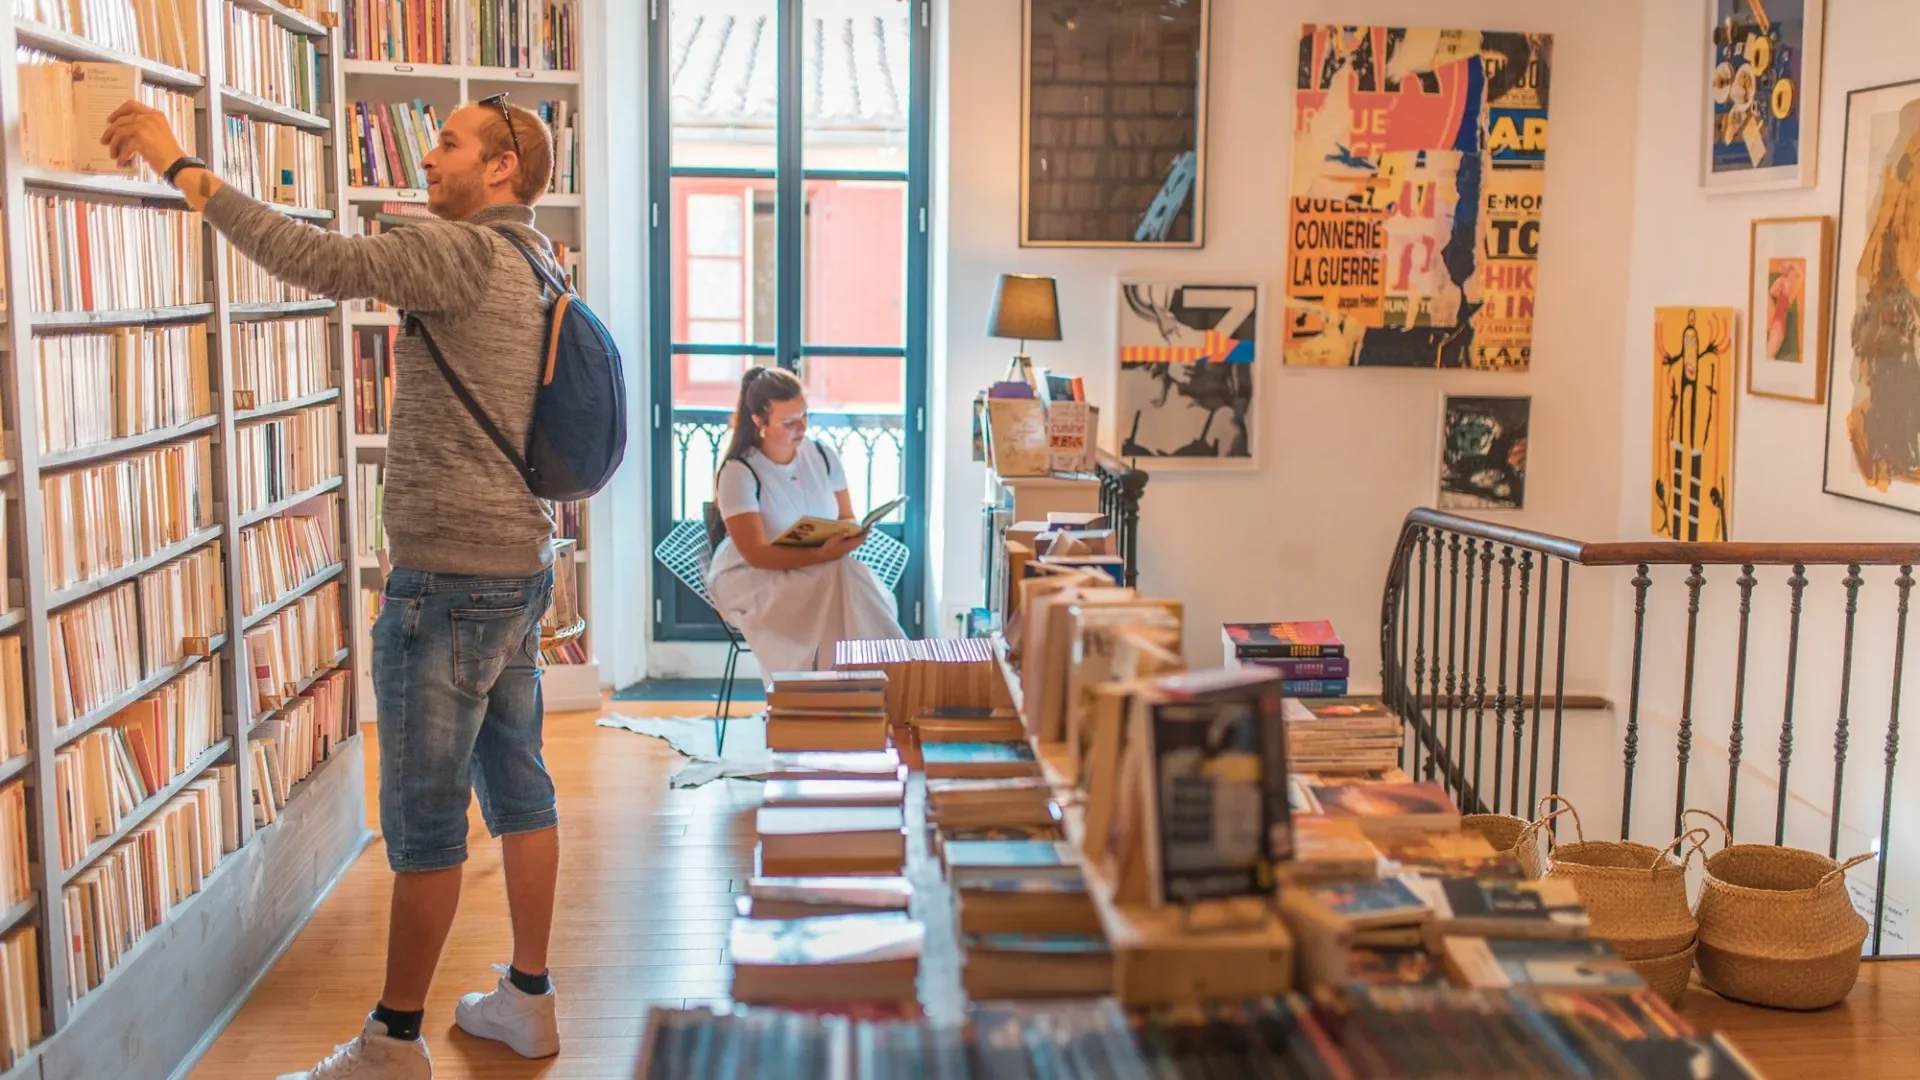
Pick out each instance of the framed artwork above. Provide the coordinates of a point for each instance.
(1762, 94)
(1789, 307)
(1415, 197)
(1188, 358)
(1873, 392)
(1483, 452)
(1114, 122)
(1693, 389)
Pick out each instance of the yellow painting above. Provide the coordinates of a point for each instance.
(1693, 365)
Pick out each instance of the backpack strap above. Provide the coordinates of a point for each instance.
(540, 268)
(479, 414)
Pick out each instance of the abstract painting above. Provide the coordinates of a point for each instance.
(1692, 465)
(1188, 361)
(1112, 137)
(1873, 399)
(1763, 93)
(1789, 307)
(1483, 452)
(1415, 197)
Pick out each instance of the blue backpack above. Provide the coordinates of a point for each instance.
(579, 430)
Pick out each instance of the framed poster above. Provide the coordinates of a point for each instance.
(1189, 361)
(1789, 307)
(1762, 94)
(1415, 197)
(1113, 124)
(1692, 463)
(1873, 392)
(1483, 452)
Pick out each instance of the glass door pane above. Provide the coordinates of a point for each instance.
(724, 85)
(856, 82)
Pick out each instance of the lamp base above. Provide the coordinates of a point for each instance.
(1020, 369)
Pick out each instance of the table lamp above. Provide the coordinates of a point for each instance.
(1025, 308)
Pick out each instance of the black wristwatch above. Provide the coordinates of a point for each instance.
(188, 162)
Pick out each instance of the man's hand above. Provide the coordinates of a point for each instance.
(135, 130)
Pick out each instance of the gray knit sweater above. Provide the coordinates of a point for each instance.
(453, 502)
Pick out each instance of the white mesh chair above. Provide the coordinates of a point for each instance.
(686, 554)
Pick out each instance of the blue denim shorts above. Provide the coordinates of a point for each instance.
(456, 680)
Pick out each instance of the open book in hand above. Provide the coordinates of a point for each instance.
(815, 532)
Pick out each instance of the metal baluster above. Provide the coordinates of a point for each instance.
(1797, 583)
(1400, 673)
(1480, 670)
(1500, 688)
(1734, 741)
(1853, 581)
(1539, 684)
(1560, 676)
(1520, 680)
(1433, 711)
(1419, 658)
(1696, 580)
(1640, 583)
(1905, 584)
(1453, 651)
(1464, 697)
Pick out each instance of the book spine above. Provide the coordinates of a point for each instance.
(1314, 687)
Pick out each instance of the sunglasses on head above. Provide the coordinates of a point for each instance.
(500, 100)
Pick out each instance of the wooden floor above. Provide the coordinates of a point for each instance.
(645, 898)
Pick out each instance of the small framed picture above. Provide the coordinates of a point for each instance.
(1790, 308)
(1762, 110)
(1483, 452)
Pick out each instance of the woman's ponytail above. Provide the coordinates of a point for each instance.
(760, 388)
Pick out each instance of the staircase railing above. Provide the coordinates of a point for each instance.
(1474, 656)
(1121, 486)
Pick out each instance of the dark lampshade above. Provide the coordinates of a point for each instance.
(1024, 308)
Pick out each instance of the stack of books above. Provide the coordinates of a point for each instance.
(1345, 734)
(798, 841)
(843, 959)
(938, 673)
(1309, 657)
(827, 710)
(1028, 927)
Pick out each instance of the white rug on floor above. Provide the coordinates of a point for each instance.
(692, 737)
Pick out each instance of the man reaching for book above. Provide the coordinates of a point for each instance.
(455, 680)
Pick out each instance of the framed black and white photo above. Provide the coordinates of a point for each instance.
(1483, 452)
(1113, 128)
(1188, 356)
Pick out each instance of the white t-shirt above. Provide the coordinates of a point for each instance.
(807, 486)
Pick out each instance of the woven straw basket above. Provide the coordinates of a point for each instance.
(1508, 835)
(1667, 975)
(1777, 927)
(1635, 895)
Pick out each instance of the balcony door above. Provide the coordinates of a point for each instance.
(788, 142)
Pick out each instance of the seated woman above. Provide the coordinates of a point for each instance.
(792, 603)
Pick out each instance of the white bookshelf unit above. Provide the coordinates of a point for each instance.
(559, 214)
(173, 987)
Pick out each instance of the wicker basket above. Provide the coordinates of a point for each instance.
(1508, 835)
(1777, 927)
(1635, 894)
(1668, 976)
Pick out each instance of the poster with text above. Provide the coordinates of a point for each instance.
(1873, 396)
(1415, 197)
(1187, 353)
(1763, 93)
(1694, 360)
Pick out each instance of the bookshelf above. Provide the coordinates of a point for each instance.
(176, 982)
(561, 214)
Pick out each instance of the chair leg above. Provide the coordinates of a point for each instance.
(723, 708)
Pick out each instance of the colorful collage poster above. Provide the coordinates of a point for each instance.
(1763, 93)
(1415, 197)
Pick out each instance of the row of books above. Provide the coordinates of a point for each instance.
(278, 458)
(369, 528)
(15, 884)
(164, 30)
(280, 553)
(182, 605)
(276, 360)
(562, 653)
(130, 891)
(64, 106)
(287, 748)
(293, 645)
(414, 31)
(104, 775)
(13, 699)
(274, 162)
(270, 62)
(250, 283)
(373, 378)
(99, 255)
(96, 387)
(105, 645)
(524, 33)
(388, 140)
(1309, 657)
(104, 516)
(19, 994)
(563, 124)
(947, 671)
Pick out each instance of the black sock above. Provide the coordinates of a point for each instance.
(529, 984)
(404, 1026)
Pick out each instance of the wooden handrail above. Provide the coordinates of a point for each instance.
(1665, 553)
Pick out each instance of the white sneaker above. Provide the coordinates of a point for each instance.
(523, 1021)
(373, 1055)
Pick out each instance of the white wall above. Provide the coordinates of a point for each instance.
(1692, 248)
(1309, 538)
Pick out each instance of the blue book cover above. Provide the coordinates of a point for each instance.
(975, 854)
(1314, 687)
(1372, 901)
(1055, 944)
(1330, 667)
(975, 753)
(1075, 886)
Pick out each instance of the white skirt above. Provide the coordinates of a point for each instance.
(793, 618)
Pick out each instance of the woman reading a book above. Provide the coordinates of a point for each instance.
(793, 601)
